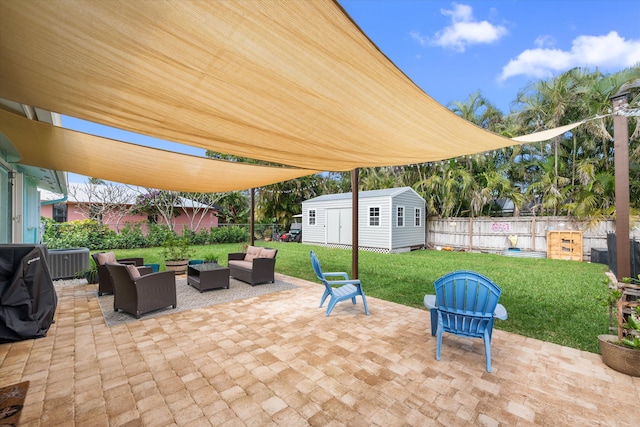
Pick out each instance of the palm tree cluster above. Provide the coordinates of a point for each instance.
(572, 174)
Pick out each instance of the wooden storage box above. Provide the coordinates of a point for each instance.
(564, 245)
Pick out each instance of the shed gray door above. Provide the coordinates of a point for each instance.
(339, 226)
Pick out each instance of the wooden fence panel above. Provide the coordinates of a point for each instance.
(492, 234)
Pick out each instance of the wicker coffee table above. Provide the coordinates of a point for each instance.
(208, 276)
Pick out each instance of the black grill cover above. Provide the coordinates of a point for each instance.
(28, 299)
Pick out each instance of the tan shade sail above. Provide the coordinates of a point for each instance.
(51, 147)
(292, 82)
(546, 134)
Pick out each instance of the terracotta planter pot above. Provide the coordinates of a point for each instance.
(179, 266)
(623, 359)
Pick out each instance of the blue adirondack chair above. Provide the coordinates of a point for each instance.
(465, 304)
(345, 289)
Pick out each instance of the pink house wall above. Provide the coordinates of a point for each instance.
(181, 221)
(46, 211)
(208, 221)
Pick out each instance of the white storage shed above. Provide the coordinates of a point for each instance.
(389, 220)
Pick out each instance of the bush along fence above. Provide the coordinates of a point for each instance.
(90, 234)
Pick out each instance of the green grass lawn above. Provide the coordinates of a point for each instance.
(551, 300)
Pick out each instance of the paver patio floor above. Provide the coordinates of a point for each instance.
(277, 360)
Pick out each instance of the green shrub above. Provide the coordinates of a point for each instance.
(196, 238)
(81, 233)
(233, 234)
(49, 229)
(130, 237)
(158, 234)
(90, 234)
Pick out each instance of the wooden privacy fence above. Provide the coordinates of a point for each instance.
(492, 235)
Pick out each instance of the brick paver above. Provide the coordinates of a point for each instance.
(277, 360)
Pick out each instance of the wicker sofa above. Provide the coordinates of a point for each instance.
(255, 266)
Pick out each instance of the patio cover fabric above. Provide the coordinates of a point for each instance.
(546, 134)
(52, 147)
(291, 82)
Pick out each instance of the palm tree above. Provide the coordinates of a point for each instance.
(477, 109)
(279, 202)
(594, 200)
(545, 104)
(448, 190)
(496, 186)
(235, 207)
(595, 149)
(549, 191)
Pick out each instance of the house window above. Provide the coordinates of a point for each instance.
(312, 217)
(400, 216)
(418, 217)
(60, 212)
(374, 217)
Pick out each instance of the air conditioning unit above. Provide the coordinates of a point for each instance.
(66, 263)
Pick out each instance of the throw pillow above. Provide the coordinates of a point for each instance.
(133, 272)
(252, 252)
(268, 253)
(105, 257)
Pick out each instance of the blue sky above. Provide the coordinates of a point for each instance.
(451, 49)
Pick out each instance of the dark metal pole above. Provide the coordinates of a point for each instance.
(354, 223)
(252, 219)
(621, 160)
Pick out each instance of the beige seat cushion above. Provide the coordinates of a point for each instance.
(105, 257)
(248, 265)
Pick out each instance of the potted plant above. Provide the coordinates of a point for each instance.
(622, 351)
(211, 257)
(176, 252)
(90, 273)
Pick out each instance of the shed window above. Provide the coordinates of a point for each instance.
(418, 217)
(400, 216)
(374, 217)
(312, 217)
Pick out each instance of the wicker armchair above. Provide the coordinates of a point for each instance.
(139, 295)
(105, 286)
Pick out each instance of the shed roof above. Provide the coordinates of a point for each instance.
(385, 192)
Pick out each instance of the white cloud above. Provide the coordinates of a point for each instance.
(609, 51)
(419, 38)
(463, 31)
(460, 13)
(542, 41)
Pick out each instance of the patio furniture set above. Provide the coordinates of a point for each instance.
(465, 302)
(138, 290)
